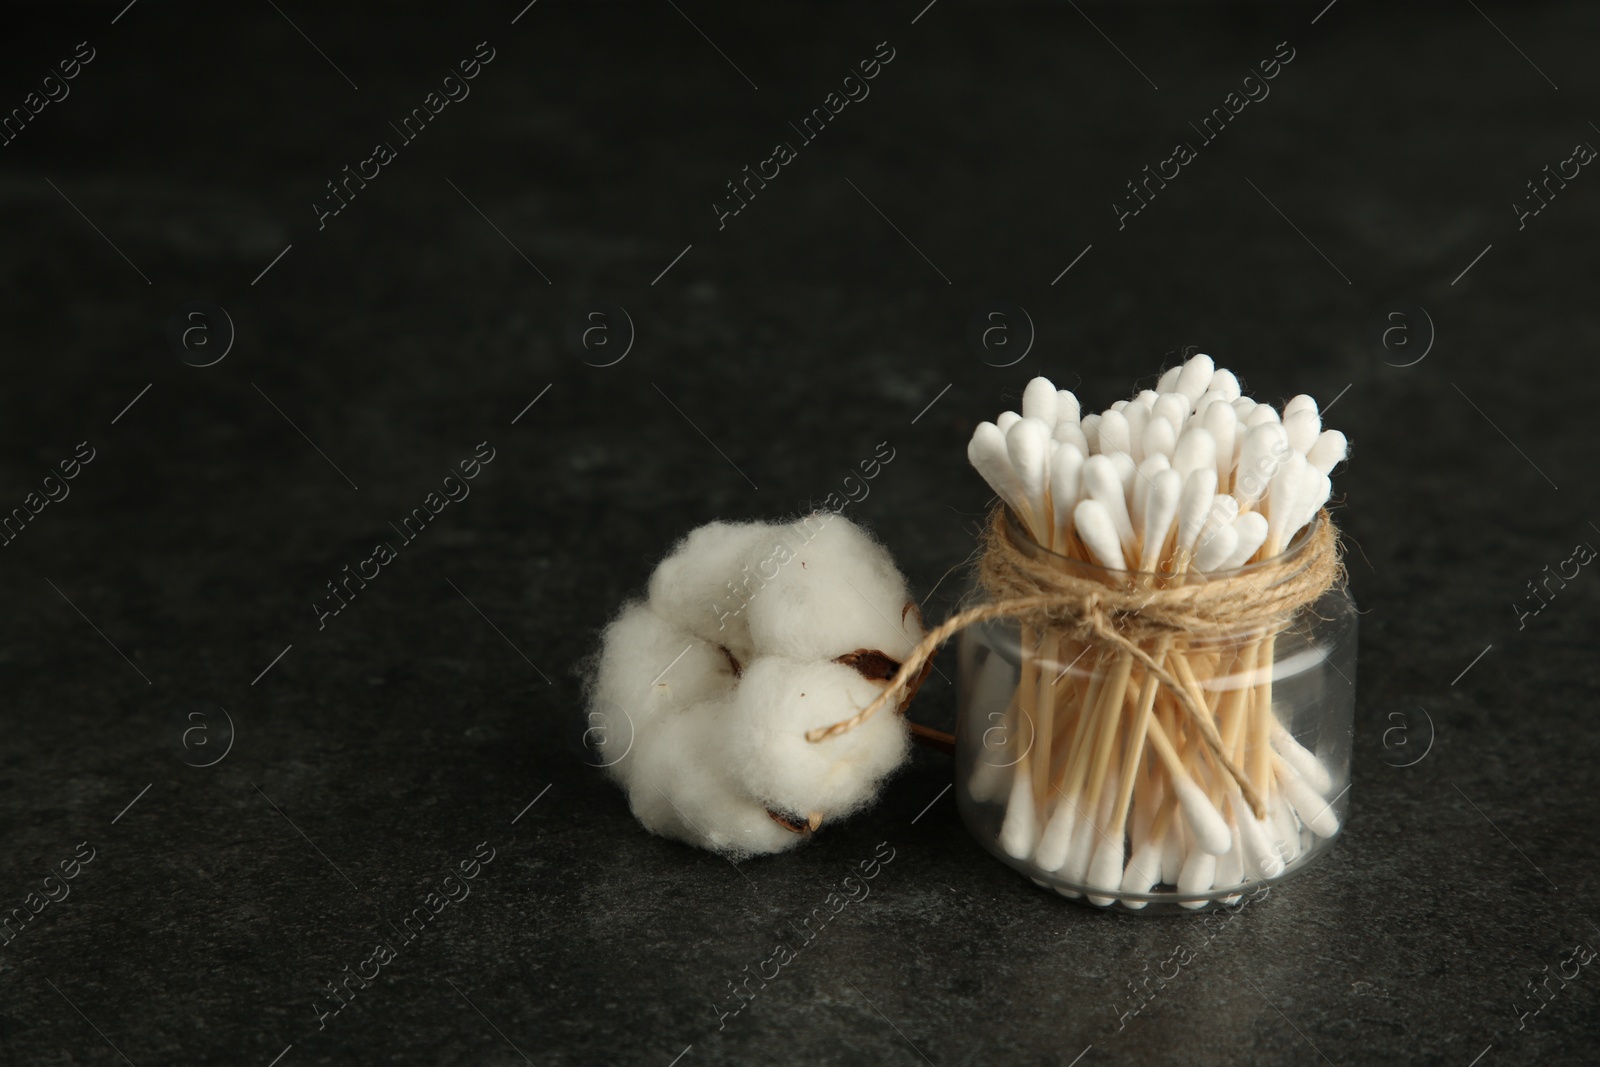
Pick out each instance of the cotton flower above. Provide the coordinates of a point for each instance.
(751, 635)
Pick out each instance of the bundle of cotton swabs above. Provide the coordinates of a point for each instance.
(1107, 787)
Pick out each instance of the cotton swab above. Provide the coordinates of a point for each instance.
(1302, 429)
(1194, 507)
(1314, 811)
(1222, 423)
(990, 457)
(1196, 448)
(1066, 468)
(1301, 759)
(1198, 875)
(1215, 547)
(1328, 452)
(1127, 470)
(1098, 530)
(1040, 401)
(1260, 857)
(1068, 431)
(1252, 531)
(1019, 832)
(1066, 406)
(1115, 435)
(1262, 414)
(1263, 449)
(1028, 445)
(1140, 489)
(1191, 476)
(1298, 404)
(1090, 425)
(1291, 484)
(1057, 836)
(1174, 408)
(1230, 867)
(1196, 377)
(1160, 508)
(1159, 438)
(1137, 414)
(1102, 483)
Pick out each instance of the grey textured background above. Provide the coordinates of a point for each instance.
(408, 730)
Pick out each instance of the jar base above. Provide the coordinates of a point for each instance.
(1163, 899)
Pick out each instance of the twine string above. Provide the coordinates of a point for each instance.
(1037, 591)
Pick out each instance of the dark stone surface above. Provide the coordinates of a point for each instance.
(408, 730)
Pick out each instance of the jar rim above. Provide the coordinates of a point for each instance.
(1024, 539)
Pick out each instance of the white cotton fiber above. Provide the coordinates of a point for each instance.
(648, 669)
(702, 696)
(777, 702)
(681, 787)
(706, 582)
(839, 592)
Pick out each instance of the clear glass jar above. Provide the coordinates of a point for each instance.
(1082, 773)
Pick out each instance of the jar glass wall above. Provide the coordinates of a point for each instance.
(1081, 769)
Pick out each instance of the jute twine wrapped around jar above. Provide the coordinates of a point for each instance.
(1114, 610)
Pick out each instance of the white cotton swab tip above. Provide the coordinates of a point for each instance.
(1160, 508)
(1039, 401)
(1080, 850)
(1068, 431)
(1174, 408)
(1115, 433)
(1138, 415)
(1194, 507)
(1127, 470)
(1263, 449)
(1102, 482)
(1090, 425)
(1066, 468)
(1262, 414)
(1098, 532)
(1159, 438)
(1144, 871)
(1196, 448)
(1019, 831)
(1171, 854)
(1303, 402)
(1302, 428)
(1028, 444)
(1211, 832)
(1230, 869)
(990, 457)
(1261, 859)
(1301, 759)
(1251, 528)
(1226, 384)
(1198, 873)
(1105, 871)
(1292, 484)
(1314, 811)
(1057, 836)
(1195, 377)
(1222, 423)
(1329, 451)
(1216, 545)
(1066, 406)
(1139, 491)
(1169, 379)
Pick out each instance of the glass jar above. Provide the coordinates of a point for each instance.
(1088, 776)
